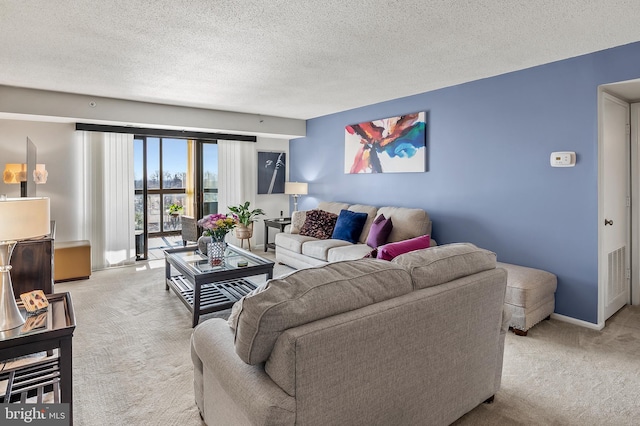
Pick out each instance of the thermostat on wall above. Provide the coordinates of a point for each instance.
(563, 159)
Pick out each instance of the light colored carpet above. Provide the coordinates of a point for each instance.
(132, 363)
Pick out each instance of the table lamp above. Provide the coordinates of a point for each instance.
(296, 189)
(20, 218)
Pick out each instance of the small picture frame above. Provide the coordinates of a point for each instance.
(34, 301)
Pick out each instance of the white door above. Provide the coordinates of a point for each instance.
(616, 223)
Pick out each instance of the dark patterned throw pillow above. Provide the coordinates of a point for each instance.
(319, 224)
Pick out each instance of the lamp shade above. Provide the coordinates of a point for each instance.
(14, 173)
(296, 188)
(22, 218)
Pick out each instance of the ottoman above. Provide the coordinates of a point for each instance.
(530, 296)
(71, 260)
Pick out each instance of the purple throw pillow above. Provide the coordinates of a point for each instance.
(379, 231)
(391, 250)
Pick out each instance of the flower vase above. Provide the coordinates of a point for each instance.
(215, 252)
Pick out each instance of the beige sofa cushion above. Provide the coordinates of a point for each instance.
(319, 249)
(372, 213)
(348, 252)
(332, 206)
(297, 221)
(311, 294)
(437, 265)
(407, 223)
(292, 242)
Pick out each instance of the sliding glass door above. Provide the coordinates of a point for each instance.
(172, 172)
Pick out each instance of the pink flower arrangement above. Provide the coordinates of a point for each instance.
(217, 225)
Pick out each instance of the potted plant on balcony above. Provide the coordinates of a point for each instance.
(175, 209)
(246, 216)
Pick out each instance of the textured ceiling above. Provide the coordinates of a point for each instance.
(297, 59)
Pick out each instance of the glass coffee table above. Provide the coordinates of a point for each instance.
(204, 288)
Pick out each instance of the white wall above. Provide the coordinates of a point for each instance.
(272, 204)
(62, 154)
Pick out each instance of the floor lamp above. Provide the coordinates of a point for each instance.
(20, 218)
(296, 189)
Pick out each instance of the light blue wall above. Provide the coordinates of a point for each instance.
(489, 181)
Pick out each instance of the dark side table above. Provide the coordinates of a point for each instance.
(279, 223)
(59, 322)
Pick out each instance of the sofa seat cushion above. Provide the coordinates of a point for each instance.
(441, 264)
(407, 223)
(319, 249)
(311, 294)
(292, 242)
(348, 252)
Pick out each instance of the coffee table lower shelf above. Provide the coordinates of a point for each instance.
(213, 296)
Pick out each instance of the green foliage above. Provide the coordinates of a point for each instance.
(175, 208)
(245, 214)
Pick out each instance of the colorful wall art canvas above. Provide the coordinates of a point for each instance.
(271, 172)
(391, 145)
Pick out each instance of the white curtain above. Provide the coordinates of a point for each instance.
(237, 177)
(109, 202)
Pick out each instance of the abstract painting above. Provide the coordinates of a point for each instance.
(271, 172)
(390, 145)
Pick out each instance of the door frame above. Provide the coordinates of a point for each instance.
(635, 195)
(602, 257)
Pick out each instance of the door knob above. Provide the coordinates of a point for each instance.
(608, 222)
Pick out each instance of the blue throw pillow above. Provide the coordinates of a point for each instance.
(349, 226)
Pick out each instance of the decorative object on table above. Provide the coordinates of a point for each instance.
(15, 173)
(216, 226)
(203, 240)
(389, 145)
(296, 189)
(37, 320)
(271, 172)
(246, 216)
(34, 301)
(20, 218)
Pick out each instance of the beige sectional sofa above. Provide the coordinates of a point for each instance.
(299, 251)
(415, 341)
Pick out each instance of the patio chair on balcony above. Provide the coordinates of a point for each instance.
(189, 229)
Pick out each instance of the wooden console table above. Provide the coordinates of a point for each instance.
(32, 264)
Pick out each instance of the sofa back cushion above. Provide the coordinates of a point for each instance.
(441, 264)
(311, 294)
(297, 221)
(332, 206)
(407, 223)
(372, 213)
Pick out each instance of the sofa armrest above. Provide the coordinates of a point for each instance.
(233, 390)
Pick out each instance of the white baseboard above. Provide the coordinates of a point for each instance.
(575, 321)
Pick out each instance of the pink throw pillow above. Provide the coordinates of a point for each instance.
(391, 250)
